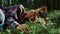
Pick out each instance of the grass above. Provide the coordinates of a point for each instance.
(37, 28)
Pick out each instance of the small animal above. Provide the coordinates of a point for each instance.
(42, 12)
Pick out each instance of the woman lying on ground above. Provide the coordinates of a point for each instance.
(12, 16)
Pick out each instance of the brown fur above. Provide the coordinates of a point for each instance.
(42, 9)
(31, 14)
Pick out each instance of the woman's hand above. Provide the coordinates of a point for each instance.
(23, 28)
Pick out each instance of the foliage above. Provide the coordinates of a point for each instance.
(51, 4)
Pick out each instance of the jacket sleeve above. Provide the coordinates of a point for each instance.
(2, 18)
(11, 22)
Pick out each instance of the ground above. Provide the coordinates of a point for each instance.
(37, 28)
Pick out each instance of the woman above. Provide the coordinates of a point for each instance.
(10, 17)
